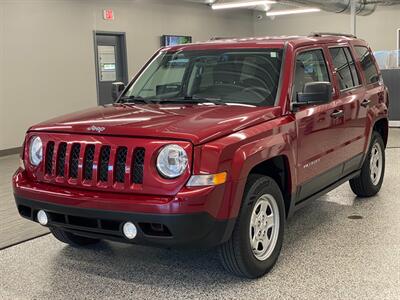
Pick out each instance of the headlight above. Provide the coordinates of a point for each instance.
(35, 151)
(172, 161)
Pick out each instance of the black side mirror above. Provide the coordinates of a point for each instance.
(117, 88)
(314, 93)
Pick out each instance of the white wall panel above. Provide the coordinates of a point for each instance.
(47, 56)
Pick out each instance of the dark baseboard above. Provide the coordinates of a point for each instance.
(10, 151)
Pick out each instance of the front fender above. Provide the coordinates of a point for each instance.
(240, 152)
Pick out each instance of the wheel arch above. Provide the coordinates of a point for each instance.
(278, 168)
(382, 127)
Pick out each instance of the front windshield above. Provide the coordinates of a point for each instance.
(248, 76)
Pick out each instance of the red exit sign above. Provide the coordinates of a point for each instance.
(108, 14)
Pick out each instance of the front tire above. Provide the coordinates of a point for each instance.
(256, 241)
(72, 239)
(370, 181)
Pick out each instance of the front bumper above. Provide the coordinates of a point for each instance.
(192, 218)
(168, 230)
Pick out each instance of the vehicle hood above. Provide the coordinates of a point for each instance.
(193, 122)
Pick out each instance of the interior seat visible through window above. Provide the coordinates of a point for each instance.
(241, 77)
(248, 76)
(310, 67)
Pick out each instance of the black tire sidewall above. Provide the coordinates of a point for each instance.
(259, 186)
(376, 138)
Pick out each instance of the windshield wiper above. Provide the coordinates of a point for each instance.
(218, 101)
(130, 99)
(193, 99)
(186, 99)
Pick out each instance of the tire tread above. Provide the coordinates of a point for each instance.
(362, 185)
(231, 252)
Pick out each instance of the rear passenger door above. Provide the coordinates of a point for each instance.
(319, 127)
(351, 94)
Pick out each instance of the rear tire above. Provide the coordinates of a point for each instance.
(370, 181)
(72, 239)
(256, 241)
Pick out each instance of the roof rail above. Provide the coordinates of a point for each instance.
(218, 38)
(320, 34)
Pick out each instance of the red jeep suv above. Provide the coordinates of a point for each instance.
(212, 144)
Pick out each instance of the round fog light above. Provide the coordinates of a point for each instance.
(129, 230)
(42, 217)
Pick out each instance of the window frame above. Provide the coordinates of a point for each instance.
(348, 63)
(299, 51)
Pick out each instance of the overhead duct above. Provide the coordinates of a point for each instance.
(363, 7)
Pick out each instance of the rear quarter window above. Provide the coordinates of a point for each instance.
(367, 64)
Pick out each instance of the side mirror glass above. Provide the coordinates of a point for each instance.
(314, 93)
(117, 88)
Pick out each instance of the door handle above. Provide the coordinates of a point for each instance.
(337, 114)
(365, 103)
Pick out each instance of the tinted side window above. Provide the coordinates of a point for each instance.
(367, 64)
(310, 67)
(347, 78)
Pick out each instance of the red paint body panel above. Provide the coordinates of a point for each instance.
(195, 123)
(207, 199)
(230, 139)
(153, 183)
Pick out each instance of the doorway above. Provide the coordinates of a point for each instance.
(111, 63)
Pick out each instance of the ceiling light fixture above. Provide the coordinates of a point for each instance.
(292, 11)
(228, 5)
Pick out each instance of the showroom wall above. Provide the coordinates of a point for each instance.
(47, 56)
(379, 29)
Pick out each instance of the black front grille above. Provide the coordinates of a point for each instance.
(97, 162)
(74, 160)
(120, 163)
(104, 160)
(49, 158)
(62, 151)
(138, 165)
(88, 164)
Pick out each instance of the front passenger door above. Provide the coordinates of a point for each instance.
(319, 128)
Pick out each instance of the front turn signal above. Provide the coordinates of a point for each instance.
(207, 180)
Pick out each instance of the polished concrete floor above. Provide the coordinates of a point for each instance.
(326, 255)
(13, 228)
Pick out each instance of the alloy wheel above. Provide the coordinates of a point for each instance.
(264, 227)
(375, 163)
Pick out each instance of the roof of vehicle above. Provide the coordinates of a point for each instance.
(267, 42)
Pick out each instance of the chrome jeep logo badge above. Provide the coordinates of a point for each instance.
(96, 129)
